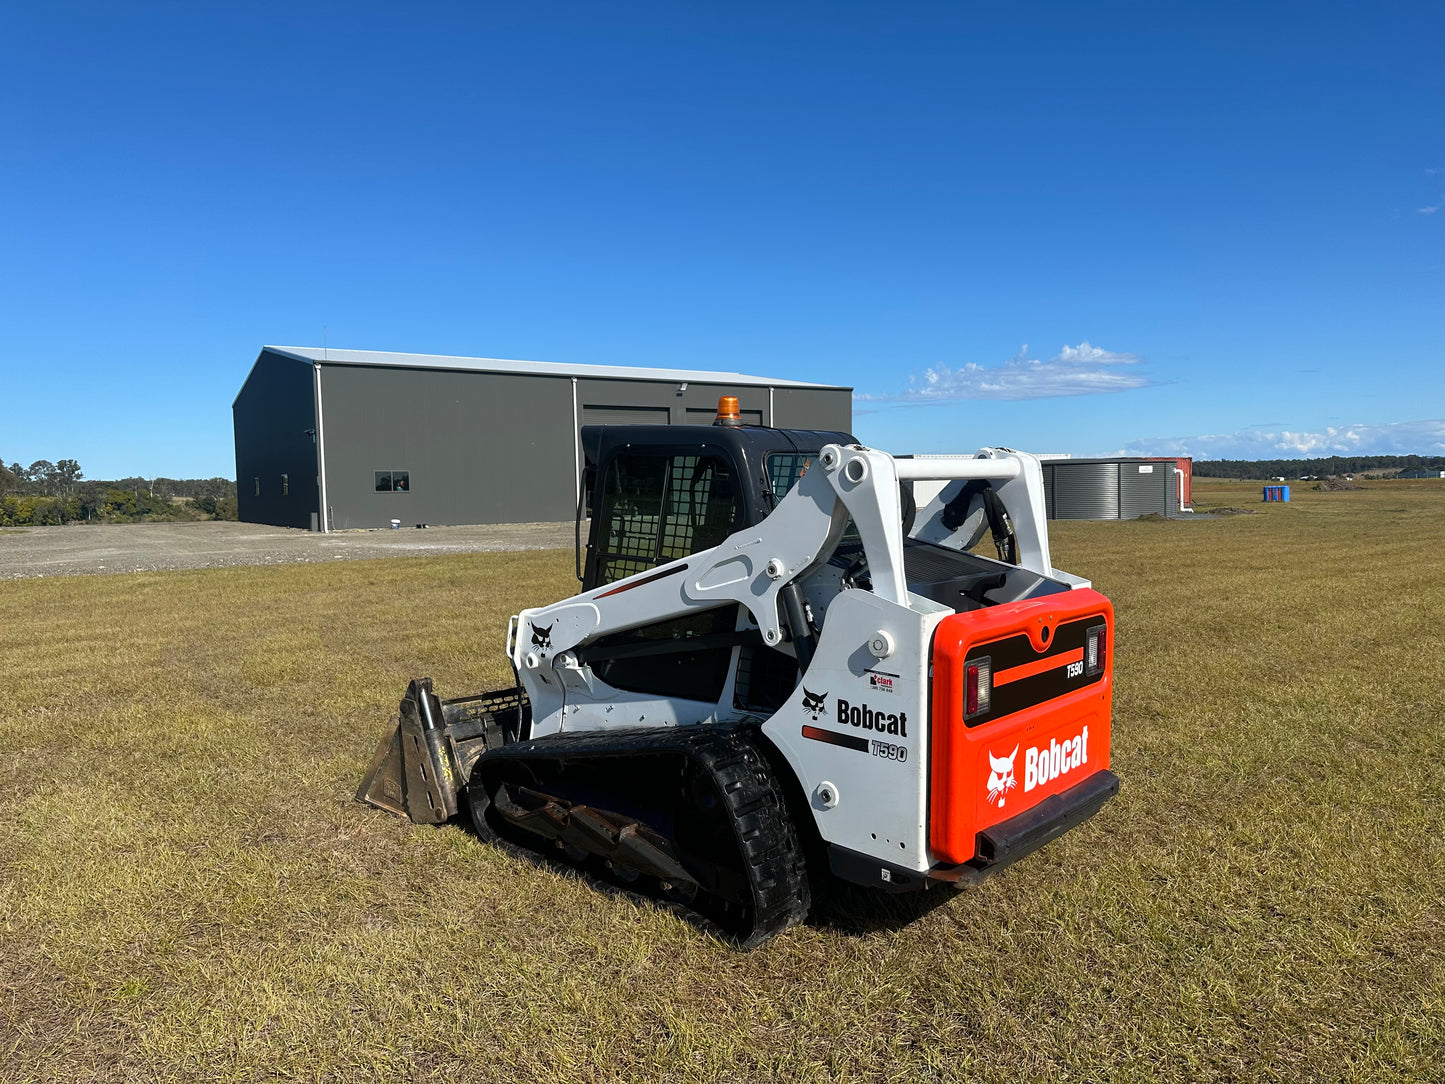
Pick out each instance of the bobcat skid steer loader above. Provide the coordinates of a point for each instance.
(785, 660)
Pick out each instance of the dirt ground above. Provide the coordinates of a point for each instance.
(154, 547)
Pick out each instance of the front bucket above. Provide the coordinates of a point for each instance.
(426, 754)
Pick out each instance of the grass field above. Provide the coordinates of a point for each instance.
(188, 892)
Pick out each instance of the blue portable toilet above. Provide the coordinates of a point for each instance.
(1276, 493)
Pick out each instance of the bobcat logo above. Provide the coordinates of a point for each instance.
(1001, 780)
(815, 703)
(542, 637)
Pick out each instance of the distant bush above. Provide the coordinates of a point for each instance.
(46, 493)
(38, 511)
(132, 506)
(219, 507)
(111, 506)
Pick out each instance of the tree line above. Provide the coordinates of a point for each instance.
(47, 493)
(1293, 468)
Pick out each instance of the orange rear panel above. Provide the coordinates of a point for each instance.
(1048, 724)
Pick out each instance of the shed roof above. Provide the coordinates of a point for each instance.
(386, 359)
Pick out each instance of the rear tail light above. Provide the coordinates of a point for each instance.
(977, 686)
(1096, 647)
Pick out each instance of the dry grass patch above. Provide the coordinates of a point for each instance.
(187, 891)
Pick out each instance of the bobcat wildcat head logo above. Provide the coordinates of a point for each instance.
(1001, 780)
(814, 703)
(542, 637)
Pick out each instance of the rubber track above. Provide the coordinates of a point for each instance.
(767, 840)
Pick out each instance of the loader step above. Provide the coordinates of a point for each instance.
(688, 815)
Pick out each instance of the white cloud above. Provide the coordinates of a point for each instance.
(1393, 438)
(1075, 370)
(1429, 210)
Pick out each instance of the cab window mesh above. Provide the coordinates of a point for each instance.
(699, 506)
(658, 508)
(785, 468)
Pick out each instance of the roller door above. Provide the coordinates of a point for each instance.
(705, 415)
(624, 415)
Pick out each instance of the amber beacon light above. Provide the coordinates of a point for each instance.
(727, 411)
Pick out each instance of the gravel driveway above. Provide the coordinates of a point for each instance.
(155, 547)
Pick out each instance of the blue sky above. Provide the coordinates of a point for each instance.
(1219, 228)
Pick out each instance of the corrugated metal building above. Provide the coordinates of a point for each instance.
(332, 439)
(1110, 488)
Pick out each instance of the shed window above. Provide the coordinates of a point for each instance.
(393, 481)
(285, 485)
(258, 485)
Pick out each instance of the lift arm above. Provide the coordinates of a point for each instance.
(754, 566)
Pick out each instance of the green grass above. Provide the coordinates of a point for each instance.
(188, 892)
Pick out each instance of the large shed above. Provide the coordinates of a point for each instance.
(333, 439)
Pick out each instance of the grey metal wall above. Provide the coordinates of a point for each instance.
(1108, 488)
(484, 447)
(272, 416)
(479, 447)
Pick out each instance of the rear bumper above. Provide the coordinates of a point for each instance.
(1004, 843)
(999, 845)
